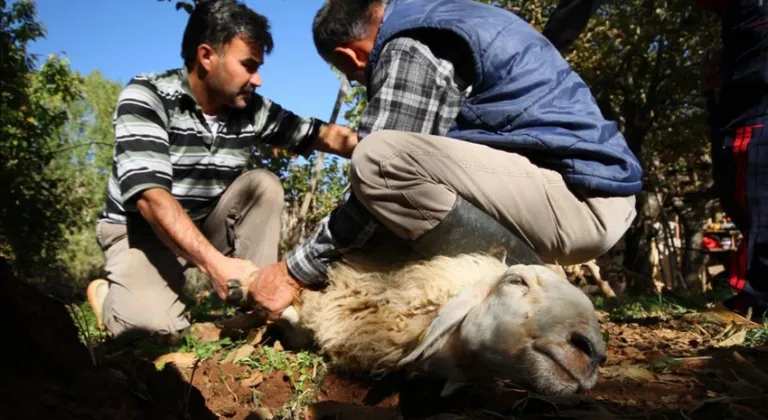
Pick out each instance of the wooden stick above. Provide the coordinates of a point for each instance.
(750, 371)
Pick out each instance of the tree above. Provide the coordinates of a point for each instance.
(37, 207)
(86, 163)
(642, 60)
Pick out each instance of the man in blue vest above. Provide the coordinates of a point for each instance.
(474, 123)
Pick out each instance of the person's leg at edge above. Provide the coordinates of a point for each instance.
(741, 149)
(745, 199)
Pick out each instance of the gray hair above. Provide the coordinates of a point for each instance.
(341, 21)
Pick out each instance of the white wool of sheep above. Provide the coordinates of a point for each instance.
(369, 320)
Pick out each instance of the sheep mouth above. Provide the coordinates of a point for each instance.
(548, 353)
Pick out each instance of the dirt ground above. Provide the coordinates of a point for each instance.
(678, 368)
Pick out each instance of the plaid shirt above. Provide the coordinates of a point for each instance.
(411, 90)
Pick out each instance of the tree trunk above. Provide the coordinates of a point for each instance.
(637, 245)
(317, 172)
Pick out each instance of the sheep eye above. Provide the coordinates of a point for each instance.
(514, 279)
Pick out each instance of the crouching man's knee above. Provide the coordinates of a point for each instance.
(392, 174)
(140, 297)
(260, 185)
(592, 237)
(370, 156)
(130, 315)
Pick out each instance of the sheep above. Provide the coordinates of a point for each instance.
(467, 318)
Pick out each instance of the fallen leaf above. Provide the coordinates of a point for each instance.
(254, 380)
(628, 371)
(255, 336)
(655, 356)
(633, 353)
(240, 353)
(181, 360)
(205, 332)
(734, 340)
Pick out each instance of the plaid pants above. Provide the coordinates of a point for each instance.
(740, 138)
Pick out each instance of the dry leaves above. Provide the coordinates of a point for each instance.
(205, 332)
(181, 360)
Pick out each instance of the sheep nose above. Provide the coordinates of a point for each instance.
(585, 345)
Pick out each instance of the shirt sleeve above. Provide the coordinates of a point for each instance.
(279, 127)
(349, 226)
(411, 90)
(142, 157)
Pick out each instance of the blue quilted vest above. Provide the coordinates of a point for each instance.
(525, 97)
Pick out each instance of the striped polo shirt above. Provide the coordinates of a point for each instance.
(162, 139)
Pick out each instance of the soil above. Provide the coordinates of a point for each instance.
(665, 369)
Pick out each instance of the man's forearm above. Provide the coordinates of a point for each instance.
(336, 139)
(347, 227)
(176, 229)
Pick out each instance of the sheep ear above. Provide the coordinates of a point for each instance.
(449, 318)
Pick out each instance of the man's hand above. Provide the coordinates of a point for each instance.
(273, 290)
(174, 228)
(226, 269)
(336, 139)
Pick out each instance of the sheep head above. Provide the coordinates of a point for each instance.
(528, 325)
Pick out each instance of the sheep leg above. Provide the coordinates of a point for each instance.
(604, 285)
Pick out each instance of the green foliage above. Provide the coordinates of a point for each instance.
(357, 101)
(187, 5)
(38, 206)
(87, 163)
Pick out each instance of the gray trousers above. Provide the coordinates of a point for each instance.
(410, 181)
(146, 278)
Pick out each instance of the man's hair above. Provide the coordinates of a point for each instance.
(341, 21)
(218, 22)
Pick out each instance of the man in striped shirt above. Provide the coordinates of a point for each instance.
(178, 193)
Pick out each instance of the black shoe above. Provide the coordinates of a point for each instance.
(467, 229)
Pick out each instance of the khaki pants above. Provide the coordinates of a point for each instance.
(409, 182)
(146, 278)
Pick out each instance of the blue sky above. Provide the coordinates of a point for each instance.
(122, 38)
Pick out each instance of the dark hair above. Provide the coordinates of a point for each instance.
(341, 21)
(217, 22)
